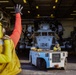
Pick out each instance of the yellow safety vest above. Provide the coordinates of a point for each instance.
(57, 49)
(9, 62)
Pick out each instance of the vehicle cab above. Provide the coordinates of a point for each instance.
(44, 38)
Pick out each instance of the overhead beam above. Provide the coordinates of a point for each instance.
(33, 12)
(68, 12)
(56, 10)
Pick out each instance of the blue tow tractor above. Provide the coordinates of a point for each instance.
(42, 54)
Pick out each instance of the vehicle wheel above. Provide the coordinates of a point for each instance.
(31, 60)
(41, 64)
(65, 65)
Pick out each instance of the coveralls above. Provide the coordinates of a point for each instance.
(9, 62)
(57, 48)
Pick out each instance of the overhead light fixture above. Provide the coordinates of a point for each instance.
(28, 11)
(73, 14)
(9, 7)
(56, 1)
(24, 1)
(4, 1)
(38, 15)
(52, 16)
(54, 7)
(74, 11)
(37, 7)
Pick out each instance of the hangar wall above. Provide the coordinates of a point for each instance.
(68, 26)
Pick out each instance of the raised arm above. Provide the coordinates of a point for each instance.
(15, 36)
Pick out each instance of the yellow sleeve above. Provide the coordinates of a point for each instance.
(59, 48)
(55, 49)
(6, 56)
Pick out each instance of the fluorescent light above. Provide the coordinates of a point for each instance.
(72, 14)
(4, 1)
(37, 7)
(28, 11)
(24, 1)
(9, 7)
(74, 11)
(54, 7)
(56, 1)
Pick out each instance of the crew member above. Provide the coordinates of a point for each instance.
(9, 62)
(57, 47)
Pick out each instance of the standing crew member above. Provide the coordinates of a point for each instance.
(9, 62)
(57, 47)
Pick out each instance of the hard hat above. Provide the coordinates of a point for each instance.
(57, 45)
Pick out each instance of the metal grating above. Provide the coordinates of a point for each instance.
(56, 57)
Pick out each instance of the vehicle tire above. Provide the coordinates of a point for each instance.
(65, 65)
(41, 64)
(31, 60)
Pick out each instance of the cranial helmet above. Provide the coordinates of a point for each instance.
(1, 30)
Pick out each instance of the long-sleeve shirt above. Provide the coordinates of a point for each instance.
(17, 30)
(57, 49)
(6, 57)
